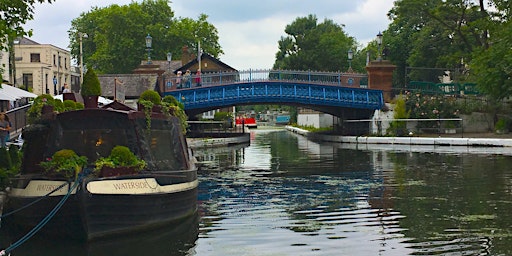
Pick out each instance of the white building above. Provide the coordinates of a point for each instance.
(41, 68)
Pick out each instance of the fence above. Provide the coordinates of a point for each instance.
(441, 127)
(446, 89)
(18, 119)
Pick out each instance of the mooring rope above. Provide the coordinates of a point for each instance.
(43, 222)
(35, 201)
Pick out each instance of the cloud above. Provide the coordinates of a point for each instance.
(249, 31)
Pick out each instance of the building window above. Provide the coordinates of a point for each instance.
(35, 57)
(60, 64)
(54, 60)
(66, 63)
(28, 82)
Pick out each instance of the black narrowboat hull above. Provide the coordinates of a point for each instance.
(101, 207)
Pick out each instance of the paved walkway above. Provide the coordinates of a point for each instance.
(467, 140)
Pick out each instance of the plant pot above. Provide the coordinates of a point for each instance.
(46, 109)
(90, 101)
(117, 171)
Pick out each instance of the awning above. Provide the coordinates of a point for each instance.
(101, 100)
(12, 93)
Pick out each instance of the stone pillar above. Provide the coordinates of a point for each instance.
(380, 76)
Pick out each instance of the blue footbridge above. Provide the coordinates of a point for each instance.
(338, 94)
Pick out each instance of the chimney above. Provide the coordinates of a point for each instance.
(186, 55)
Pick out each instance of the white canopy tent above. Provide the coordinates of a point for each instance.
(101, 100)
(12, 93)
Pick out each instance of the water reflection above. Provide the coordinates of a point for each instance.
(172, 240)
(285, 195)
(306, 198)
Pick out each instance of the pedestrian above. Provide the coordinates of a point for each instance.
(8, 137)
(66, 89)
(198, 78)
(178, 80)
(4, 130)
(187, 79)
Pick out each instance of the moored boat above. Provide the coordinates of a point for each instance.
(107, 202)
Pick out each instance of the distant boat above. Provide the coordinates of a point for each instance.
(249, 122)
(282, 119)
(104, 204)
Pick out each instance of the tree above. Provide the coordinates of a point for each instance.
(492, 67)
(116, 35)
(437, 34)
(13, 14)
(313, 46)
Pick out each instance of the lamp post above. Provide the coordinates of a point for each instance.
(379, 42)
(169, 59)
(350, 55)
(47, 91)
(149, 41)
(82, 35)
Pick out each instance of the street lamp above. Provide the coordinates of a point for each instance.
(82, 35)
(379, 42)
(149, 40)
(169, 59)
(350, 54)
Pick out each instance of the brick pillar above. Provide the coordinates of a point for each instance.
(380, 76)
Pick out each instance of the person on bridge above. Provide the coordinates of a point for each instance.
(4, 130)
(187, 79)
(178, 80)
(198, 78)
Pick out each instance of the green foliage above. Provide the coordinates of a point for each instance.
(120, 156)
(425, 38)
(222, 116)
(65, 162)
(116, 35)
(398, 128)
(152, 96)
(431, 106)
(34, 112)
(501, 125)
(491, 67)
(5, 158)
(15, 155)
(314, 46)
(91, 85)
(171, 101)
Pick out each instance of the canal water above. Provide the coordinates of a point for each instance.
(286, 195)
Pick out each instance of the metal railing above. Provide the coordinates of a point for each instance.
(18, 119)
(248, 76)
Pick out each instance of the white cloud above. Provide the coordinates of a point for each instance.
(248, 30)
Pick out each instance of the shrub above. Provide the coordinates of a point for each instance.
(152, 96)
(65, 162)
(120, 156)
(91, 85)
(5, 158)
(169, 99)
(15, 155)
(34, 112)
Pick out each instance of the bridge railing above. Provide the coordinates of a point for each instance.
(224, 78)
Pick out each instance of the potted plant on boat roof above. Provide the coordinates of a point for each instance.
(149, 101)
(90, 89)
(177, 109)
(65, 162)
(121, 161)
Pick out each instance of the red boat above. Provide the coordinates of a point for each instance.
(249, 122)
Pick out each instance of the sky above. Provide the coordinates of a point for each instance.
(248, 30)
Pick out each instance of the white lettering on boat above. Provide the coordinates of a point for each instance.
(131, 185)
(46, 187)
